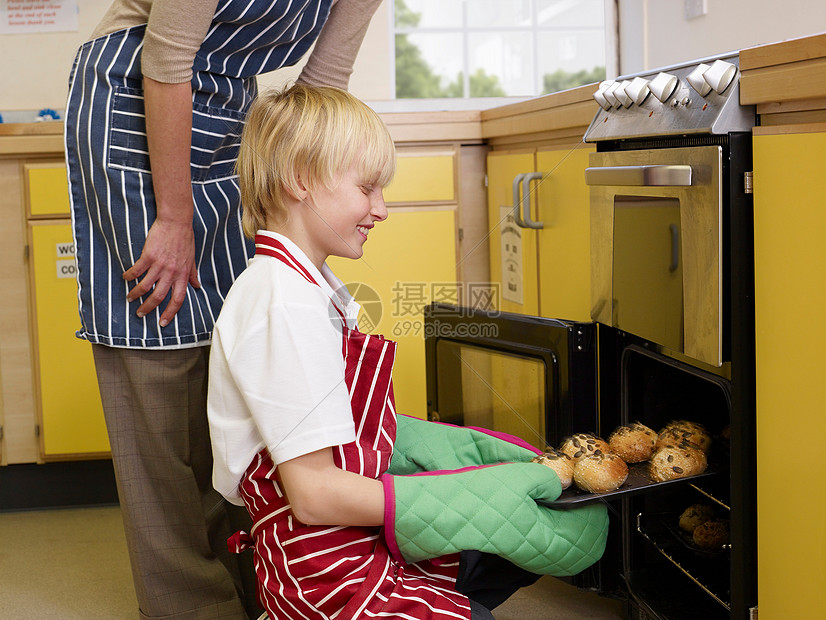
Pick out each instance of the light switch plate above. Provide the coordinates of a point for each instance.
(693, 9)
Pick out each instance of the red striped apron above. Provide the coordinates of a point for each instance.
(313, 572)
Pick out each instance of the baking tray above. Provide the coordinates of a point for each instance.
(639, 481)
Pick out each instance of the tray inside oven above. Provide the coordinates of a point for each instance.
(638, 481)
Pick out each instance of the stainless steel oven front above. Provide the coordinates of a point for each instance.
(656, 246)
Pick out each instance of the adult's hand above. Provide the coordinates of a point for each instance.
(167, 263)
(167, 260)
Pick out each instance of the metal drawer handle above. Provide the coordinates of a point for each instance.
(523, 198)
(645, 176)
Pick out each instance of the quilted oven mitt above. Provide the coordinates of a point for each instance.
(429, 446)
(492, 509)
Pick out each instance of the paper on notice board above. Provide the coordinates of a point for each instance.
(27, 16)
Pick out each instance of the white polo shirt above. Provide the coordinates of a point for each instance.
(276, 370)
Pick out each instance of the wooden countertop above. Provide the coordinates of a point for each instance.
(786, 81)
(560, 116)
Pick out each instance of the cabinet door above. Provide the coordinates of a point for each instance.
(513, 257)
(66, 391)
(564, 242)
(409, 261)
(790, 271)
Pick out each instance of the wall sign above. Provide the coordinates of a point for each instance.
(25, 16)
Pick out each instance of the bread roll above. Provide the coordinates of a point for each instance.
(672, 462)
(600, 473)
(560, 463)
(583, 444)
(634, 443)
(683, 430)
(712, 534)
(696, 515)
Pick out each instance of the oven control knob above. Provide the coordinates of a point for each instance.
(622, 95)
(599, 95)
(720, 75)
(698, 82)
(638, 90)
(610, 96)
(663, 86)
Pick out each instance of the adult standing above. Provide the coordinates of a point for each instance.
(157, 102)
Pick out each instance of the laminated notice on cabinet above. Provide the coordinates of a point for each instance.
(25, 16)
(511, 242)
(65, 263)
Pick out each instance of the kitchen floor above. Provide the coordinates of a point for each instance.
(72, 564)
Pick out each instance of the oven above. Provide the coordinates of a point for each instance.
(671, 337)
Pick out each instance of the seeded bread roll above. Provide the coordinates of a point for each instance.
(561, 463)
(583, 444)
(634, 443)
(600, 473)
(672, 462)
(683, 430)
(696, 515)
(712, 534)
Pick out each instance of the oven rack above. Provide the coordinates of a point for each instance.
(670, 557)
(707, 494)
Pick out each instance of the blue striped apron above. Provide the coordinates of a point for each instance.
(110, 183)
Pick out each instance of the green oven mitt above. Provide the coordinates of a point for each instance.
(429, 446)
(492, 509)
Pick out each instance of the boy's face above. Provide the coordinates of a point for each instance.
(343, 216)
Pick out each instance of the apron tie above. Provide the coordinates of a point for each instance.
(240, 541)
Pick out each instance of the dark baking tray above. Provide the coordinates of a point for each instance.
(639, 481)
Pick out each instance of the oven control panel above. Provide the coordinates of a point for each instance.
(701, 97)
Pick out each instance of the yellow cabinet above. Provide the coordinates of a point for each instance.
(564, 242)
(513, 257)
(68, 408)
(409, 260)
(543, 271)
(790, 271)
(70, 411)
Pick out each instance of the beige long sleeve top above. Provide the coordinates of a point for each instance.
(176, 29)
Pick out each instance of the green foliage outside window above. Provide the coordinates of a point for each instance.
(415, 79)
(562, 80)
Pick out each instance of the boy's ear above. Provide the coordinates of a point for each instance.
(300, 191)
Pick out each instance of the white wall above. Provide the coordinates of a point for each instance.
(34, 68)
(657, 33)
(653, 33)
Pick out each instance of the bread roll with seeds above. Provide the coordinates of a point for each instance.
(561, 463)
(712, 534)
(583, 444)
(672, 462)
(695, 515)
(684, 430)
(600, 473)
(634, 442)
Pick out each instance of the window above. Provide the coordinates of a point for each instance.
(491, 48)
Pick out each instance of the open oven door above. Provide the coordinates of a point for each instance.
(532, 377)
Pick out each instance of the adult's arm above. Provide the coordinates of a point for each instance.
(332, 58)
(175, 31)
(322, 494)
(167, 261)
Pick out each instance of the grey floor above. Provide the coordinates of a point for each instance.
(72, 565)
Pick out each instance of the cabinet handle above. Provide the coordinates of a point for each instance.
(522, 198)
(517, 199)
(646, 176)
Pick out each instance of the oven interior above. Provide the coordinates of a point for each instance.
(663, 568)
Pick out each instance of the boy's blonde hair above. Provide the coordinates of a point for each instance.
(306, 135)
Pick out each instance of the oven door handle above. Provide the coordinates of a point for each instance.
(639, 176)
